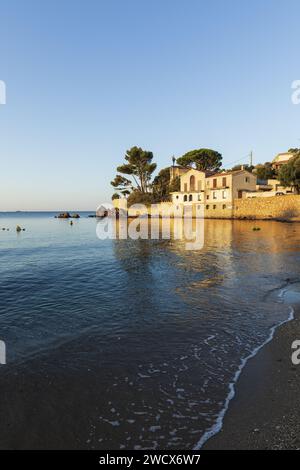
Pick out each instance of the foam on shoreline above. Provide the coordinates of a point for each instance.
(219, 422)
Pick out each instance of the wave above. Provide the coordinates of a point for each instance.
(217, 426)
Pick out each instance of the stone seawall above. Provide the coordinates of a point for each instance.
(277, 207)
(259, 208)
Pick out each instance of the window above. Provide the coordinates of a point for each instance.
(214, 195)
(224, 206)
(185, 198)
(214, 206)
(224, 182)
(177, 196)
(190, 197)
(199, 197)
(247, 179)
(224, 194)
(214, 182)
(192, 183)
(185, 187)
(207, 207)
(207, 197)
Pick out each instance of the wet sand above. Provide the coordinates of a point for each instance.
(265, 412)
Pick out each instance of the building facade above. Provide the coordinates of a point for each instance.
(272, 187)
(177, 171)
(281, 159)
(216, 192)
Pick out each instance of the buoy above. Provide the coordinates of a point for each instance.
(71, 223)
(18, 228)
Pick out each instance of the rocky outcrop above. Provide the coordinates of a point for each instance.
(63, 215)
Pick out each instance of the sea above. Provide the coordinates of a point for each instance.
(132, 344)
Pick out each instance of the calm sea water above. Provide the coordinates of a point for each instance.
(131, 344)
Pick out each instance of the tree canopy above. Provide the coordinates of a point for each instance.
(289, 174)
(201, 159)
(139, 166)
(161, 184)
(264, 171)
(175, 184)
(243, 167)
(122, 185)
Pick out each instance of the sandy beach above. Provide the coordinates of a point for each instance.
(264, 414)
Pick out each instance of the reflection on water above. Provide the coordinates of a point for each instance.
(132, 343)
(187, 230)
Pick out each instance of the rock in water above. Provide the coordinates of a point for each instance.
(63, 215)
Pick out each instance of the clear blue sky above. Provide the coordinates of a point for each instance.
(88, 79)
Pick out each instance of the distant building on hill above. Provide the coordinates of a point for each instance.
(281, 159)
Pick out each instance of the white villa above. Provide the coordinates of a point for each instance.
(215, 191)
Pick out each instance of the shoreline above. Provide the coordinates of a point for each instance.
(262, 414)
(288, 220)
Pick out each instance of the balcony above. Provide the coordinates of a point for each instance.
(212, 188)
